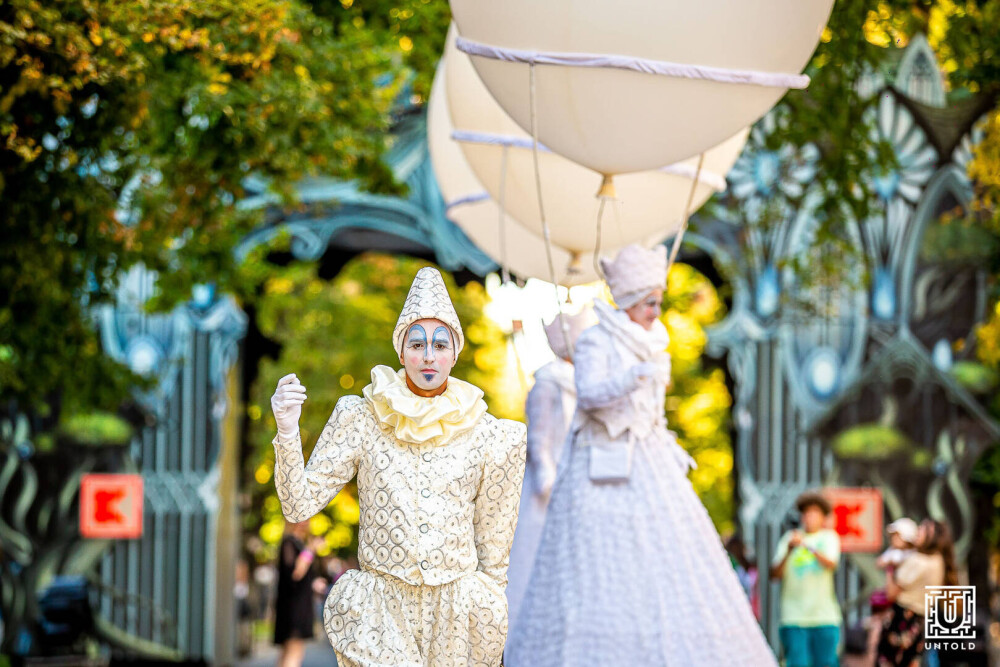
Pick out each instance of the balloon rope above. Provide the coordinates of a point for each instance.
(597, 245)
(504, 271)
(541, 212)
(616, 208)
(629, 63)
(687, 214)
(517, 359)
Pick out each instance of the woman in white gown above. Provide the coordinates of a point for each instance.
(549, 409)
(630, 569)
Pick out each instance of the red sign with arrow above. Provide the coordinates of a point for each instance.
(111, 506)
(857, 517)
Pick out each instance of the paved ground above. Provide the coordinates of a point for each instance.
(319, 653)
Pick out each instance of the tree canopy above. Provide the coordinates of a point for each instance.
(129, 129)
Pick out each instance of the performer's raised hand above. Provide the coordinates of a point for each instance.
(286, 403)
(641, 372)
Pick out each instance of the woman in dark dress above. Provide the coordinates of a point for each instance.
(293, 609)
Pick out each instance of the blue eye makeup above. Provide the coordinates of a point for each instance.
(442, 339)
(416, 337)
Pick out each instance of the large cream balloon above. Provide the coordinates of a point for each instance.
(618, 121)
(479, 216)
(651, 202)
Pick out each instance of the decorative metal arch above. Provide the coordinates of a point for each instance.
(783, 428)
(187, 454)
(414, 224)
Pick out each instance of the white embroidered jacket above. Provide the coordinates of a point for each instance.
(429, 513)
(608, 397)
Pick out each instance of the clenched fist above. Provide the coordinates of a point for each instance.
(287, 405)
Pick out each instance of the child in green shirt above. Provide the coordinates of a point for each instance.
(805, 561)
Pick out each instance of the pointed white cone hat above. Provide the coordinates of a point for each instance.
(428, 298)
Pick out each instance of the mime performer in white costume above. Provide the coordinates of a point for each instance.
(549, 410)
(439, 482)
(630, 569)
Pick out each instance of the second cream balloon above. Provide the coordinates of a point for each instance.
(651, 203)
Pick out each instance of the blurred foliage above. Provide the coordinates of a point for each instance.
(98, 429)
(976, 377)
(831, 113)
(416, 28)
(984, 482)
(332, 333)
(959, 241)
(129, 129)
(699, 402)
(871, 442)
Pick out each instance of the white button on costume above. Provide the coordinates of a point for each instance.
(630, 572)
(439, 481)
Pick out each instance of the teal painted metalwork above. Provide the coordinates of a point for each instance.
(800, 381)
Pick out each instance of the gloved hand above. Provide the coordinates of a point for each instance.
(641, 372)
(546, 480)
(286, 404)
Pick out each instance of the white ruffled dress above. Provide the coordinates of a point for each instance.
(631, 572)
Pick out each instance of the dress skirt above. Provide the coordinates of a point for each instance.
(633, 573)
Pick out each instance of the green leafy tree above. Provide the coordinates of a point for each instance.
(129, 130)
(698, 403)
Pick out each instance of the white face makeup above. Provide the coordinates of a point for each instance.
(428, 353)
(648, 310)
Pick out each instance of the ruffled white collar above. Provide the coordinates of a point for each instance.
(644, 344)
(422, 420)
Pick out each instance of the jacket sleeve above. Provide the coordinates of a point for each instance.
(304, 490)
(597, 384)
(546, 431)
(496, 506)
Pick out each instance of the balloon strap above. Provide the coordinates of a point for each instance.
(504, 271)
(676, 246)
(629, 63)
(682, 169)
(546, 237)
(473, 198)
(597, 244)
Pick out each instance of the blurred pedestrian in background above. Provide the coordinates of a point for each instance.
(746, 571)
(932, 564)
(293, 610)
(805, 561)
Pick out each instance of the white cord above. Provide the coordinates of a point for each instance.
(541, 214)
